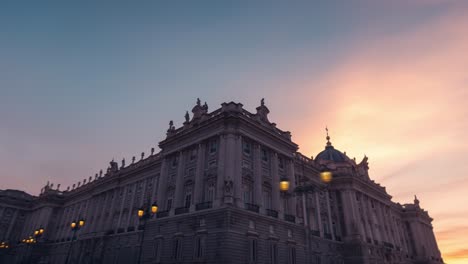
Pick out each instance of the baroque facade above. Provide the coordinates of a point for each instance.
(216, 182)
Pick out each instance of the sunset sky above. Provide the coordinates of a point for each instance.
(84, 83)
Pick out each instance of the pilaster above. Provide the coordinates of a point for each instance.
(199, 182)
(257, 177)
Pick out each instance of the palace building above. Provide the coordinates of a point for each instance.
(228, 186)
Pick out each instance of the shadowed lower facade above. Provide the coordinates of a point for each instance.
(216, 183)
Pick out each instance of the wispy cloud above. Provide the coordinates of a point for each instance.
(401, 100)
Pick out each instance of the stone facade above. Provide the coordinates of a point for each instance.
(216, 183)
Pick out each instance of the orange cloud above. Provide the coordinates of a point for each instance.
(401, 99)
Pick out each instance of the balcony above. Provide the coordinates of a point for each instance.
(252, 207)
(272, 213)
(181, 210)
(162, 214)
(203, 206)
(290, 218)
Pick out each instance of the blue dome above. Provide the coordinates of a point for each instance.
(330, 153)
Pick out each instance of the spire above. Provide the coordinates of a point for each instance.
(328, 137)
(416, 200)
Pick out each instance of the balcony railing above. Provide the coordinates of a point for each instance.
(181, 210)
(289, 218)
(272, 213)
(203, 206)
(162, 214)
(251, 207)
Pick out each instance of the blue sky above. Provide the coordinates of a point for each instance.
(82, 83)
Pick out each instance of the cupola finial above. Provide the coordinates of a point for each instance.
(328, 137)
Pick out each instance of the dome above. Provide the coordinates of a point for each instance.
(330, 153)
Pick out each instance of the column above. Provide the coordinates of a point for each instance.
(381, 221)
(12, 223)
(317, 213)
(368, 218)
(237, 169)
(350, 214)
(199, 181)
(130, 209)
(221, 171)
(292, 179)
(154, 189)
(179, 183)
(258, 179)
(124, 197)
(275, 191)
(329, 215)
(107, 221)
(162, 185)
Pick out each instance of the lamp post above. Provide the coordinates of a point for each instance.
(75, 226)
(144, 214)
(326, 177)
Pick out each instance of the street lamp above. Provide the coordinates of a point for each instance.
(4, 245)
(75, 226)
(144, 214)
(326, 177)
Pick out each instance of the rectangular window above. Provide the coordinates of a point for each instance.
(174, 162)
(177, 249)
(273, 252)
(252, 251)
(199, 247)
(158, 250)
(247, 147)
(267, 199)
(247, 195)
(281, 163)
(188, 200)
(210, 193)
(264, 155)
(292, 255)
(213, 146)
(169, 204)
(193, 154)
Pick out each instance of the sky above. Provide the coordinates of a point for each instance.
(83, 83)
